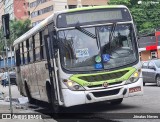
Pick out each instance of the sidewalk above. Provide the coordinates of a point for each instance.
(14, 91)
(5, 106)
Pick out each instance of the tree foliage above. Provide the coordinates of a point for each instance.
(17, 28)
(146, 14)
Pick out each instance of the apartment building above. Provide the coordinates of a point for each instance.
(8, 8)
(41, 9)
(149, 46)
(20, 8)
(85, 3)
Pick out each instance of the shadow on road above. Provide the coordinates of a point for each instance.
(82, 112)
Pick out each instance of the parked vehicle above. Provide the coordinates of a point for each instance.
(12, 76)
(151, 72)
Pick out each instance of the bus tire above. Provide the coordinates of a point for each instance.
(144, 83)
(30, 99)
(117, 102)
(54, 107)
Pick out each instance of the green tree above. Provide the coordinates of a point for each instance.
(146, 14)
(17, 28)
(1, 39)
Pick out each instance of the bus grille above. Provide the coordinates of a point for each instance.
(103, 77)
(106, 93)
(100, 85)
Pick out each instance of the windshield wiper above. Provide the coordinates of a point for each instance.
(85, 31)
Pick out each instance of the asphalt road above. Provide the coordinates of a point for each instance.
(148, 103)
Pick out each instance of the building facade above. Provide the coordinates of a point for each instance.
(85, 3)
(20, 8)
(8, 8)
(149, 47)
(1, 11)
(41, 9)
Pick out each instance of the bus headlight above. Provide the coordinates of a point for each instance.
(73, 85)
(134, 77)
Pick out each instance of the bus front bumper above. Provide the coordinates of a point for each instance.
(72, 98)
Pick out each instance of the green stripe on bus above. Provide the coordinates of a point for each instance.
(91, 8)
(76, 78)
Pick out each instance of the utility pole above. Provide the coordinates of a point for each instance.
(5, 23)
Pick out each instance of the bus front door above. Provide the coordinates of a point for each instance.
(52, 70)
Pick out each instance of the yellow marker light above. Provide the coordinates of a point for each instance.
(70, 83)
(136, 74)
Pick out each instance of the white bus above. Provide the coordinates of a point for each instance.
(80, 56)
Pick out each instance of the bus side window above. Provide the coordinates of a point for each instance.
(28, 57)
(22, 53)
(44, 32)
(53, 38)
(31, 49)
(37, 46)
(18, 58)
(34, 55)
(41, 46)
(25, 52)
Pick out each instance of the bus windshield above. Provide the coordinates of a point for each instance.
(112, 48)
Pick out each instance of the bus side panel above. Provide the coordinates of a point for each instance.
(23, 77)
(19, 81)
(32, 80)
(42, 76)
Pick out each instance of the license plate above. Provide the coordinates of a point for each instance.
(135, 89)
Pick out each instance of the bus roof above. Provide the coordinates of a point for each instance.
(96, 7)
(53, 17)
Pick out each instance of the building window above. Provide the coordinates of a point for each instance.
(85, 5)
(28, 12)
(37, 2)
(42, 11)
(72, 6)
(37, 46)
(153, 54)
(33, 4)
(35, 23)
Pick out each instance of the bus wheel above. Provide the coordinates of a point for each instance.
(30, 99)
(158, 80)
(55, 108)
(117, 102)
